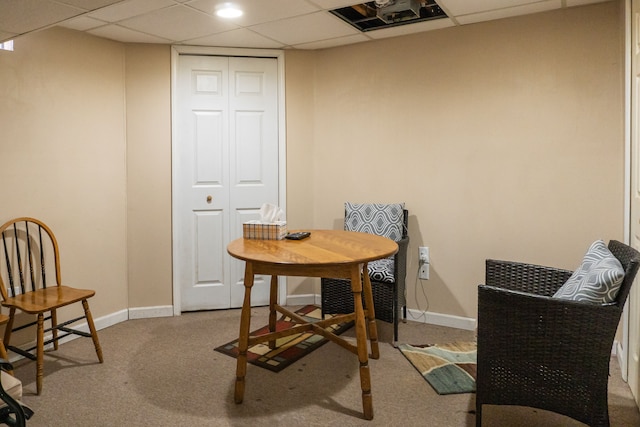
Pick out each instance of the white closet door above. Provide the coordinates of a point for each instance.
(225, 168)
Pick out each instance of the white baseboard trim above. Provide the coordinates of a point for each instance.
(303, 299)
(466, 323)
(149, 312)
(99, 322)
(457, 322)
(110, 320)
(618, 352)
(167, 311)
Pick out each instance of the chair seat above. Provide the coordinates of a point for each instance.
(382, 270)
(47, 299)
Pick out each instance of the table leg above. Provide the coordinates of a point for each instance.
(273, 300)
(243, 340)
(371, 314)
(361, 340)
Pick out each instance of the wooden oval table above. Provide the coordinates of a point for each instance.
(326, 253)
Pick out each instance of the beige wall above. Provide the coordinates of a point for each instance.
(62, 148)
(148, 76)
(504, 139)
(300, 89)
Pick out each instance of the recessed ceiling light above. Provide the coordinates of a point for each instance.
(228, 10)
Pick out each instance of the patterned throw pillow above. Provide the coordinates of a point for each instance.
(382, 270)
(597, 279)
(382, 219)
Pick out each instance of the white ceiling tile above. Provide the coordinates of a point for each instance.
(302, 24)
(82, 23)
(178, 23)
(237, 38)
(129, 9)
(340, 41)
(89, 4)
(418, 27)
(307, 28)
(509, 12)
(28, 15)
(571, 3)
(115, 32)
(259, 11)
(466, 7)
(334, 4)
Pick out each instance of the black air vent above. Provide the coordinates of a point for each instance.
(369, 16)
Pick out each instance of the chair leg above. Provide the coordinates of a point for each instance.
(4, 355)
(40, 353)
(9, 327)
(3, 351)
(395, 328)
(54, 329)
(92, 328)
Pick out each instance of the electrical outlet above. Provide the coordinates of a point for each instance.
(424, 254)
(423, 271)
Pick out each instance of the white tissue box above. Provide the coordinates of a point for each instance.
(264, 231)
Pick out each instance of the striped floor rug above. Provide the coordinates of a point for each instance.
(288, 349)
(449, 368)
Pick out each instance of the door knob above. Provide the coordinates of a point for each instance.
(209, 199)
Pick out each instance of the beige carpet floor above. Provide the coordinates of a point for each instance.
(164, 372)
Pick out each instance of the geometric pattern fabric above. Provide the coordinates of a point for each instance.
(598, 278)
(449, 368)
(382, 270)
(385, 220)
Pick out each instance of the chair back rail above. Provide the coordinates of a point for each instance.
(30, 248)
(630, 260)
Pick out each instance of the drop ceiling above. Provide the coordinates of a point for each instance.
(274, 24)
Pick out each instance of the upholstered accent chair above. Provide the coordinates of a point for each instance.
(387, 275)
(545, 334)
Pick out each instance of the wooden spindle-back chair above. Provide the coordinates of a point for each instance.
(29, 253)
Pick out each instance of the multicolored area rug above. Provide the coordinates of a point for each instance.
(288, 349)
(449, 368)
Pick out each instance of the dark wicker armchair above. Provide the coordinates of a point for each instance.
(544, 352)
(388, 296)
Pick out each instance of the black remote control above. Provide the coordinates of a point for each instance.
(298, 236)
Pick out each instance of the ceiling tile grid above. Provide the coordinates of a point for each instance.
(287, 24)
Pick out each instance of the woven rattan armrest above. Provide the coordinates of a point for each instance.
(542, 326)
(535, 279)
